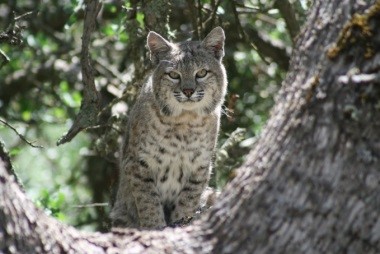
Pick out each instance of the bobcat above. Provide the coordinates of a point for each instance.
(167, 152)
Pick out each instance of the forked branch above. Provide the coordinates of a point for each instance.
(88, 113)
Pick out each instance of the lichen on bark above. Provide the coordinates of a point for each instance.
(349, 36)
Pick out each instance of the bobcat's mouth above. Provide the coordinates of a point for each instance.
(195, 97)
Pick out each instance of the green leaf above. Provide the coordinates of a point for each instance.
(14, 151)
(64, 86)
(26, 116)
(59, 113)
(140, 18)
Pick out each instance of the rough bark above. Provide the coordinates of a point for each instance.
(310, 185)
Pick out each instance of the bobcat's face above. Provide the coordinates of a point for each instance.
(188, 87)
(189, 77)
(188, 81)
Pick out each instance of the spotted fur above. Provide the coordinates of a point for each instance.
(172, 132)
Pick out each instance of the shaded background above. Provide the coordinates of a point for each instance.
(41, 88)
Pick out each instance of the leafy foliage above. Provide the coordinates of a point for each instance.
(41, 89)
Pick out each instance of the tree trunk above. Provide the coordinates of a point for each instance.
(310, 185)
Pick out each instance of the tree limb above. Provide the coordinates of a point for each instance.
(268, 48)
(264, 46)
(288, 13)
(12, 35)
(27, 229)
(89, 109)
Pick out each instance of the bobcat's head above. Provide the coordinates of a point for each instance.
(189, 76)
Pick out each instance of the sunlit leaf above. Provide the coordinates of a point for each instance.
(26, 116)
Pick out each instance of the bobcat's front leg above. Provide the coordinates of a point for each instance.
(189, 198)
(147, 200)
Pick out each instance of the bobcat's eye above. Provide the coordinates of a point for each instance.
(201, 74)
(174, 75)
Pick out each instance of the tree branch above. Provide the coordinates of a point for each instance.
(214, 11)
(19, 134)
(27, 229)
(194, 21)
(12, 35)
(4, 59)
(264, 46)
(89, 109)
(199, 16)
(272, 49)
(288, 13)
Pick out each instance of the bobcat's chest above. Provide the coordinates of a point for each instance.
(176, 152)
(173, 174)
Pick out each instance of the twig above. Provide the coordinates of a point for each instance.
(254, 8)
(4, 59)
(213, 16)
(194, 20)
(12, 36)
(23, 15)
(105, 126)
(19, 134)
(237, 20)
(200, 18)
(91, 205)
(113, 71)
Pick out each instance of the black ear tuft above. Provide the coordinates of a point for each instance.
(157, 46)
(214, 42)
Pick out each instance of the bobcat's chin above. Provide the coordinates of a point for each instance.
(190, 105)
(202, 107)
(181, 107)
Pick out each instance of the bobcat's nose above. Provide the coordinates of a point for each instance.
(188, 92)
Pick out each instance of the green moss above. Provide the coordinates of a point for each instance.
(347, 37)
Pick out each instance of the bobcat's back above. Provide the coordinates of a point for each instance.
(172, 133)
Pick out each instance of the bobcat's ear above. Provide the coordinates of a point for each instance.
(157, 46)
(214, 42)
